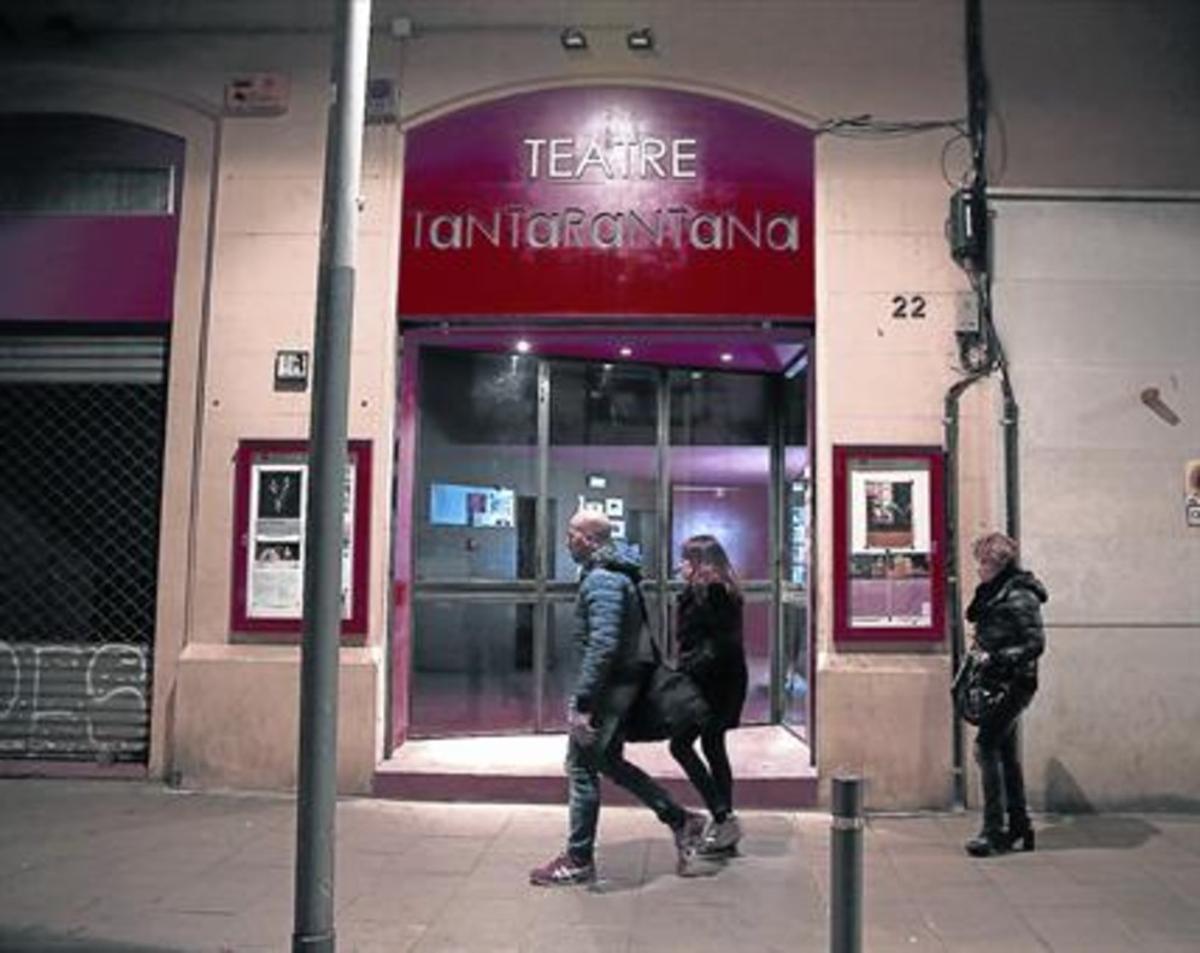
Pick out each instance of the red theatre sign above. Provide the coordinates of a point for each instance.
(608, 201)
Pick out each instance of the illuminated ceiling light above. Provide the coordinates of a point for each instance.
(798, 365)
(696, 375)
(523, 346)
(573, 38)
(626, 351)
(640, 41)
(726, 357)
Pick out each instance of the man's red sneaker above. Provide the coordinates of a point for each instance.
(563, 871)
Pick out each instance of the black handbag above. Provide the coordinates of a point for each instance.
(669, 703)
(976, 698)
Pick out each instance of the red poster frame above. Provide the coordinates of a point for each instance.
(354, 629)
(844, 459)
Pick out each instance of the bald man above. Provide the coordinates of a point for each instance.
(611, 629)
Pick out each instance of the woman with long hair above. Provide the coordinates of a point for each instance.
(709, 636)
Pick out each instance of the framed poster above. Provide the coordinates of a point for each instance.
(888, 550)
(275, 564)
(270, 502)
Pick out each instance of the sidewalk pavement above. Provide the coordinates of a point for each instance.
(133, 867)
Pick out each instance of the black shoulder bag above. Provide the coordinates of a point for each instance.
(976, 699)
(670, 702)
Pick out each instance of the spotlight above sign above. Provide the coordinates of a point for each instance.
(640, 41)
(573, 39)
(257, 94)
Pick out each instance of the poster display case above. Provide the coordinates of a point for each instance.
(270, 497)
(888, 544)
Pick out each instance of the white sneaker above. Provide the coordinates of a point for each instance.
(721, 837)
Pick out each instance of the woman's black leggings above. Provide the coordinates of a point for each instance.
(714, 781)
(1000, 771)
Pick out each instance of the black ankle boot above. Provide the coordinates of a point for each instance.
(1019, 833)
(987, 844)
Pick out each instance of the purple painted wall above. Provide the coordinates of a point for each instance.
(738, 516)
(79, 268)
(111, 267)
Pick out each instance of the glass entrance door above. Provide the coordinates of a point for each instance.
(719, 483)
(795, 662)
(475, 588)
(509, 446)
(602, 455)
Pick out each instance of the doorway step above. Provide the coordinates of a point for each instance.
(771, 766)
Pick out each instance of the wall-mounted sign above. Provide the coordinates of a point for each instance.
(908, 306)
(1191, 482)
(797, 531)
(271, 494)
(608, 200)
(382, 101)
(291, 370)
(887, 552)
(257, 94)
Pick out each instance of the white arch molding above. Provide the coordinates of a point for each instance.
(708, 90)
(122, 96)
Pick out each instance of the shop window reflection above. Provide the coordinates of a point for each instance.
(473, 665)
(476, 497)
(603, 455)
(720, 465)
(795, 655)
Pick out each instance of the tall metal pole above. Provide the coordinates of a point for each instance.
(953, 581)
(313, 930)
(977, 93)
(980, 270)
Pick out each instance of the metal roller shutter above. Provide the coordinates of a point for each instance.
(80, 484)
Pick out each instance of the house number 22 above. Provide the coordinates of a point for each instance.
(908, 306)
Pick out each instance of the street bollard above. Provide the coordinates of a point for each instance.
(845, 867)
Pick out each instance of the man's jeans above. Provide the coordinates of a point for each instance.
(585, 764)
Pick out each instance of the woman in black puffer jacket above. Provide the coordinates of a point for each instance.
(1007, 614)
(709, 635)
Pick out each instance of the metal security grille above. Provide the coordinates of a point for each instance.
(80, 472)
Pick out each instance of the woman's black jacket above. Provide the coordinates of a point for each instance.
(1007, 614)
(709, 636)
